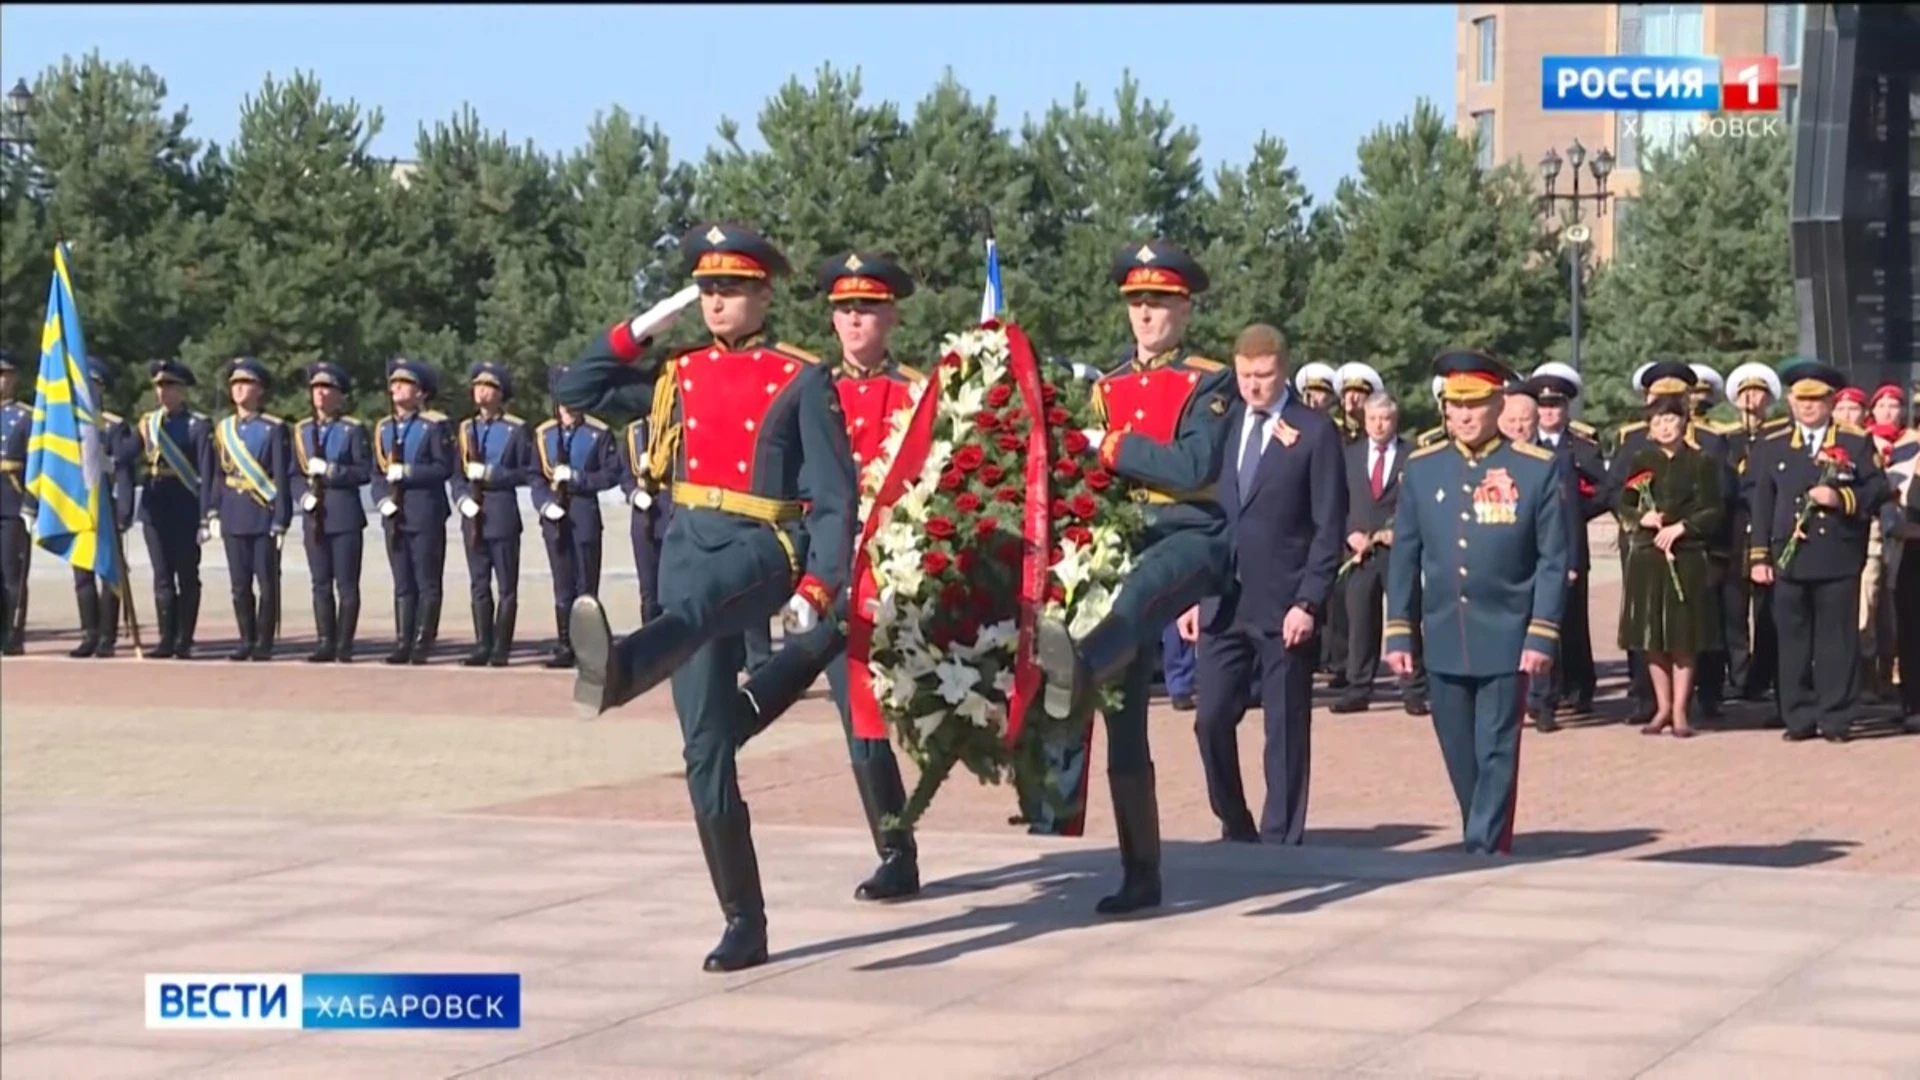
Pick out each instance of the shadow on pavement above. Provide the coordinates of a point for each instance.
(1373, 837)
(1794, 853)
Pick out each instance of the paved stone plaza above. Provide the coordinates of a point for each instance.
(1731, 906)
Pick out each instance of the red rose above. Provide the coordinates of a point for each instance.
(992, 475)
(1009, 442)
(1058, 417)
(1837, 455)
(1060, 508)
(940, 527)
(953, 596)
(1074, 442)
(1066, 468)
(1057, 555)
(1099, 479)
(1056, 592)
(1006, 495)
(951, 361)
(999, 395)
(967, 503)
(964, 563)
(934, 562)
(951, 481)
(1083, 507)
(985, 420)
(986, 527)
(1015, 415)
(1079, 534)
(1048, 393)
(968, 458)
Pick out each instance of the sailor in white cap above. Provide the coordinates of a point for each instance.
(1751, 656)
(1356, 382)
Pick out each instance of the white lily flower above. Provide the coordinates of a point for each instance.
(926, 724)
(976, 710)
(1003, 683)
(956, 680)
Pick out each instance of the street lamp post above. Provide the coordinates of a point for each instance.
(1576, 233)
(14, 111)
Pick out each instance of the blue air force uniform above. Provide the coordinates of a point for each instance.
(576, 462)
(247, 493)
(495, 460)
(177, 445)
(1480, 536)
(16, 505)
(100, 606)
(752, 428)
(413, 459)
(652, 507)
(1167, 431)
(332, 460)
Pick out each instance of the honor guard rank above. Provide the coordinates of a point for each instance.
(869, 397)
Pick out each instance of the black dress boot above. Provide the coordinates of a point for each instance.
(610, 673)
(882, 793)
(406, 622)
(326, 626)
(189, 622)
(349, 622)
(727, 841)
(166, 618)
(503, 631)
(244, 617)
(269, 625)
(482, 633)
(89, 598)
(1136, 815)
(429, 631)
(109, 624)
(563, 648)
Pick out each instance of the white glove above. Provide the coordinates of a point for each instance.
(29, 518)
(800, 616)
(200, 536)
(213, 527)
(641, 500)
(279, 539)
(388, 508)
(562, 474)
(476, 471)
(662, 315)
(1094, 436)
(309, 501)
(1085, 372)
(554, 512)
(469, 508)
(316, 467)
(396, 473)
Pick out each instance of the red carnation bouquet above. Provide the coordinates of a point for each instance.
(1835, 466)
(1641, 484)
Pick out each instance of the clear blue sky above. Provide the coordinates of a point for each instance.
(1318, 77)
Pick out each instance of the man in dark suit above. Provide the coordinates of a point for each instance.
(1373, 465)
(1285, 495)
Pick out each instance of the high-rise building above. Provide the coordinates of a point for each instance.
(1498, 48)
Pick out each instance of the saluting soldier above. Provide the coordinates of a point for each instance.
(413, 460)
(496, 459)
(1574, 678)
(248, 505)
(1484, 525)
(332, 461)
(873, 388)
(752, 428)
(17, 509)
(178, 445)
(643, 482)
(1746, 611)
(577, 461)
(1816, 487)
(1167, 414)
(100, 606)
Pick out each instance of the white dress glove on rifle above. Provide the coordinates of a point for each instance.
(316, 467)
(641, 500)
(213, 527)
(388, 508)
(562, 473)
(476, 471)
(309, 501)
(396, 473)
(662, 315)
(1094, 436)
(554, 512)
(469, 508)
(800, 616)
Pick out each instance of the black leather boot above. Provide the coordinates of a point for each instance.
(17, 622)
(244, 617)
(189, 622)
(326, 626)
(406, 622)
(727, 841)
(482, 633)
(611, 673)
(166, 618)
(349, 622)
(88, 596)
(1136, 815)
(503, 631)
(269, 625)
(429, 630)
(109, 624)
(563, 649)
(882, 793)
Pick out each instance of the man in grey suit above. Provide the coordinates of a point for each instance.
(1373, 465)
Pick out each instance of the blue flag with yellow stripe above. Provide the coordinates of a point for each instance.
(66, 456)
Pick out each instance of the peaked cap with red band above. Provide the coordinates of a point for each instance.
(1158, 267)
(864, 275)
(1468, 376)
(730, 251)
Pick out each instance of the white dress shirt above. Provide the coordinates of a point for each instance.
(1814, 437)
(1383, 453)
(1265, 427)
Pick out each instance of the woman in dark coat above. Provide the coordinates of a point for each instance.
(1668, 510)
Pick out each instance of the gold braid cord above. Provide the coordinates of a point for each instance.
(663, 434)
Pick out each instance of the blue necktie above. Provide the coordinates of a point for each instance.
(1250, 455)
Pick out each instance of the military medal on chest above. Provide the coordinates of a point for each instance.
(1497, 500)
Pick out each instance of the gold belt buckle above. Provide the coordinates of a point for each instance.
(1139, 495)
(715, 496)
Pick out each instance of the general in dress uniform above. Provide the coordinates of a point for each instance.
(752, 428)
(1574, 678)
(413, 459)
(1747, 612)
(17, 508)
(1166, 415)
(873, 388)
(248, 504)
(100, 604)
(577, 460)
(647, 494)
(1816, 486)
(495, 462)
(332, 461)
(1481, 520)
(177, 444)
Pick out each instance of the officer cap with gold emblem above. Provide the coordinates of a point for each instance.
(326, 374)
(1355, 375)
(491, 373)
(864, 276)
(246, 369)
(1664, 377)
(726, 252)
(1709, 383)
(1810, 380)
(1557, 383)
(1752, 376)
(1316, 375)
(1156, 266)
(1471, 376)
(407, 369)
(170, 371)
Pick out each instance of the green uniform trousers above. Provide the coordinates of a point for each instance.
(1477, 720)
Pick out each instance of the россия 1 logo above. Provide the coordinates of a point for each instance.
(1660, 84)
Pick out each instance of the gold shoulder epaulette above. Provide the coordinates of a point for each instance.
(1776, 422)
(511, 419)
(271, 419)
(1532, 450)
(1584, 430)
(1849, 429)
(354, 420)
(1205, 364)
(1629, 427)
(203, 417)
(796, 351)
(545, 424)
(435, 415)
(595, 422)
(1430, 448)
(1777, 433)
(1431, 438)
(912, 374)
